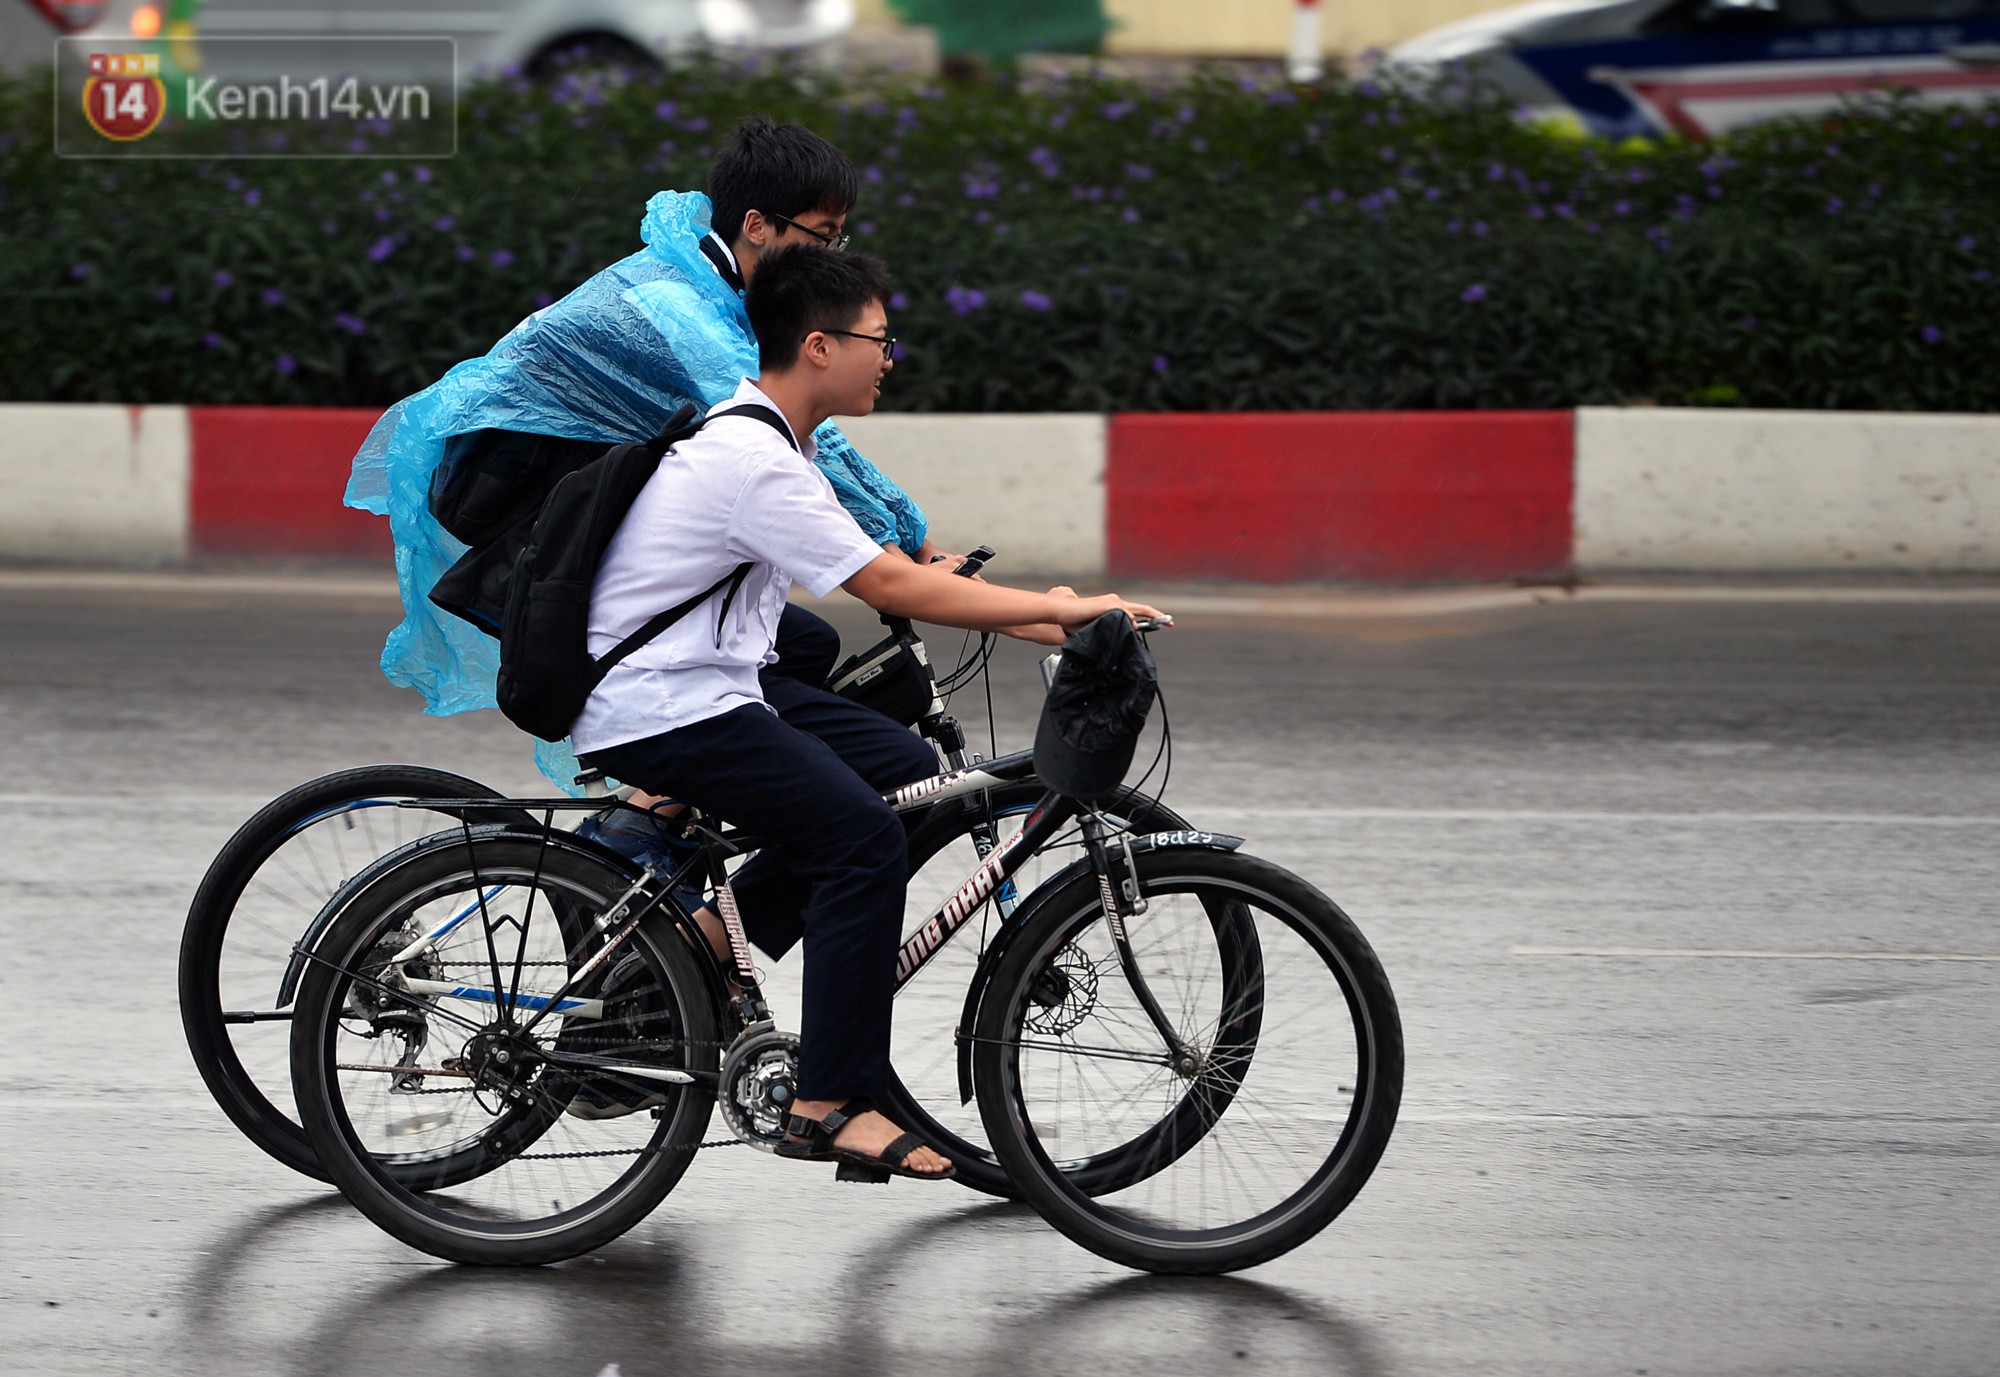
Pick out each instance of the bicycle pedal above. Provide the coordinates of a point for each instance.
(854, 1171)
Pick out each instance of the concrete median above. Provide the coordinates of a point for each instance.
(1381, 497)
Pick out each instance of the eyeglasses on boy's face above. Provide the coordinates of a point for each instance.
(888, 342)
(833, 239)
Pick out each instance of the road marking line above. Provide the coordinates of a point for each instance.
(1359, 602)
(1753, 954)
(179, 582)
(1584, 815)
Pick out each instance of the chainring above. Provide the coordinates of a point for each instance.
(759, 1074)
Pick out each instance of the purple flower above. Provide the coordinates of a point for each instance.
(1476, 292)
(211, 340)
(1967, 243)
(234, 183)
(1621, 207)
(1537, 212)
(1494, 172)
(354, 325)
(501, 258)
(906, 200)
(443, 223)
(1982, 274)
(1834, 205)
(1453, 226)
(286, 365)
(1129, 215)
(1035, 301)
(466, 253)
(1659, 238)
(1119, 109)
(1160, 364)
(666, 110)
(253, 197)
(865, 227)
(224, 278)
(79, 271)
(1139, 172)
(542, 299)
(871, 174)
(965, 300)
(421, 174)
(329, 227)
(697, 125)
(1930, 334)
(981, 191)
(1565, 210)
(389, 178)
(381, 248)
(899, 302)
(273, 297)
(164, 293)
(1479, 229)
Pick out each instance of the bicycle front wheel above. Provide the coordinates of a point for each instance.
(1246, 1135)
(481, 1073)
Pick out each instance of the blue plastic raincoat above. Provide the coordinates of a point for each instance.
(609, 362)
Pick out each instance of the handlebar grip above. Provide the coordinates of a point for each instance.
(975, 560)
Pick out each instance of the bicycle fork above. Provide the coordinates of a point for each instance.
(1118, 885)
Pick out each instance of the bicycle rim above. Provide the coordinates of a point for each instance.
(1260, 1137)
(931, 1010)
(263, 889)
(566, 1159)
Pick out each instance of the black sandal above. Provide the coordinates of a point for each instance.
(811, 1140)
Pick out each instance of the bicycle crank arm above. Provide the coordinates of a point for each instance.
(583, 1061)
(444, 989)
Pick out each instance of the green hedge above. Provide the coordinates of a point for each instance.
(1089, 245)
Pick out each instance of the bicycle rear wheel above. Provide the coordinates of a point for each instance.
(1260, 1133)
(448, 1120)
(263, 889)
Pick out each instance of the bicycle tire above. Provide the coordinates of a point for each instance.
(416, 1211)
(977, 1168)
(235, 1088)
(1017, 1122)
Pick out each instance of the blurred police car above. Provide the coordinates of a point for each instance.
(492, 35)
(1702, 67)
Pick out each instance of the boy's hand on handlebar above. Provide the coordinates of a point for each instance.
(1074, 612)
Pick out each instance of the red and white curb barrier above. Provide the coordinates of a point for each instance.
(1387, 497)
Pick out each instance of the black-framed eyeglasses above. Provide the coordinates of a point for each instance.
(888, 342)
(832, 240)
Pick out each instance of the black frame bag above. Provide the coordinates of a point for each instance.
(893, 676)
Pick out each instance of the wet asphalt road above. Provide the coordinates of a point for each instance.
(1617, 859)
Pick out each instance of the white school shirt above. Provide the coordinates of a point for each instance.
(734, 493)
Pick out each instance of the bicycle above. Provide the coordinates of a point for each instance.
(1119, 1038)
(276, 879)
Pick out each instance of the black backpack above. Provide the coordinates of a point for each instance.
(551, 555)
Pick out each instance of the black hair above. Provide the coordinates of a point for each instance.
(780, 169)
(802, 288)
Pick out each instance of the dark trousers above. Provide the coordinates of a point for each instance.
(807, 772)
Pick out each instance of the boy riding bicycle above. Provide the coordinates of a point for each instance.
(687, 715)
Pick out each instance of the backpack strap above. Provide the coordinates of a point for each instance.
(675, 430)
(654, 625)
(758, 411)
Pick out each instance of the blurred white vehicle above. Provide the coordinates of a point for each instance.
(492, 35)
(1702, 67)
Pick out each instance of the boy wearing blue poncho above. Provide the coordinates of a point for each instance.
(608, 364)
